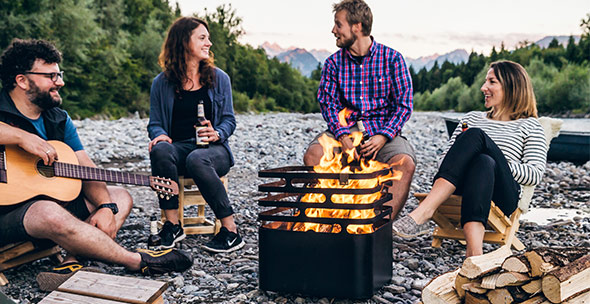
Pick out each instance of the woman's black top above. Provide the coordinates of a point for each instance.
(184, 113)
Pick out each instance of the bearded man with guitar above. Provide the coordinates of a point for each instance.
(85, 225)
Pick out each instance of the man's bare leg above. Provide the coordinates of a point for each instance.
(48, 220)
(313, 155)
(400, 189)
(124, 203)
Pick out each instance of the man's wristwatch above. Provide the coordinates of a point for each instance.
(217, 133)
(111, 206)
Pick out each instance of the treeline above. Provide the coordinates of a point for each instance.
(560, 76)
(111, 48)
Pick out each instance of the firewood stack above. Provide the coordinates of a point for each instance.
(542, 275)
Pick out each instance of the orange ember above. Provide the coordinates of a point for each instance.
(331, 162)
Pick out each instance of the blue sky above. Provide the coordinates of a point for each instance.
(413, 27)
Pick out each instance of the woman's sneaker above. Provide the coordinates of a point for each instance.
(164, 261)
(406, 227)
(224, 241)
(170, 235)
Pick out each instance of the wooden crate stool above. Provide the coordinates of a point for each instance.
(100, 288)
(501, 230)
(16, 254)
(189, 194)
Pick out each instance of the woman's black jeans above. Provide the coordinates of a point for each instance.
(205, 166)
(480, 172)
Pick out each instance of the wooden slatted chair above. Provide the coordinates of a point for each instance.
(500, 229)
(16, 254)
(189, 194)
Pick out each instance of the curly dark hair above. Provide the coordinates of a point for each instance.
(20, 56)
(176, 51)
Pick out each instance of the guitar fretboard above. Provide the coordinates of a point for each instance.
(2, 164)
(90, 173)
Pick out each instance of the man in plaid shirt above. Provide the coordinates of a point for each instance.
(372, 81)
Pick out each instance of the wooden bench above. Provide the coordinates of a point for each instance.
(91, 287)
(189, 195)
(16, 254)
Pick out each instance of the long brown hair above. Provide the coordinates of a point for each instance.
(176, 51)
(519, 97)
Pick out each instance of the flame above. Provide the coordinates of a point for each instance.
(331, 162)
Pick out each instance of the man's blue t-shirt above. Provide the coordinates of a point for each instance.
(71, 135)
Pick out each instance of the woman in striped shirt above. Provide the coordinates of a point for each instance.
(501, 150)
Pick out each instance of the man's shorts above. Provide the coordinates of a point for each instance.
(12, 228)
(398, 145)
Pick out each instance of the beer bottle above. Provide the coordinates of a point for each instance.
(464, 126)
(200, 118)
(154, 240)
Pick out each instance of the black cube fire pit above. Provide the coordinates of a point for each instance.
(332, 262)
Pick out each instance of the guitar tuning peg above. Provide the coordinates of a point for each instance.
(161, 195)
(167, 197)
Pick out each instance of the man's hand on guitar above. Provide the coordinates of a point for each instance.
(104, 219)
(162, 137)
(39, 147)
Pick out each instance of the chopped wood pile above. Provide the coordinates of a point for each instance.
(538, 276)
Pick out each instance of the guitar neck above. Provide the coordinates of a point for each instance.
(96, 174)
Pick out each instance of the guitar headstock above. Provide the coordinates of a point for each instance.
(165, 187)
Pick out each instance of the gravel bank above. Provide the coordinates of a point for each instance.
(272, 140)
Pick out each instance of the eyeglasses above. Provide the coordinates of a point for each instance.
(53, 76)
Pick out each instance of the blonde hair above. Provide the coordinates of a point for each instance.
(519, 97)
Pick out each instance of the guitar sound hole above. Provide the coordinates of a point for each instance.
(45, 171)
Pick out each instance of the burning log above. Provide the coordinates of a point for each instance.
(570, 280)
(440, 290)
(477, 266)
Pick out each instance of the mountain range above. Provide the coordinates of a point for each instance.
(307, 61)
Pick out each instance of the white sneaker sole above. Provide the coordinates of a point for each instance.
(176, 240)
(234, 248)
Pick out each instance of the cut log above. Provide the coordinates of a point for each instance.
(543, 260)
(477, 266)
(459, 282)
(581, 299)
(500, 296)
(512, 279)
(516, 263)
(474, 288)
(532, 287)
(568, 281)
(471, 298)
(489, 282)
(536, 300)
(440, 290)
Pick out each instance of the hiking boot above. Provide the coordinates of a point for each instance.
(406, 227)
(163, 261)
(224, 241)
(170, 234)
(50, 280)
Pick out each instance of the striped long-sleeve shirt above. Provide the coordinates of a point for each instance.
(378, 90)
(522, 142)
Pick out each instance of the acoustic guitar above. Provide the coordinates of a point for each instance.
(24, 176)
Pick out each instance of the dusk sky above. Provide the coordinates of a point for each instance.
(415, 28)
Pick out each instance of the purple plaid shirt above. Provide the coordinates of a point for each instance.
(378, 90)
